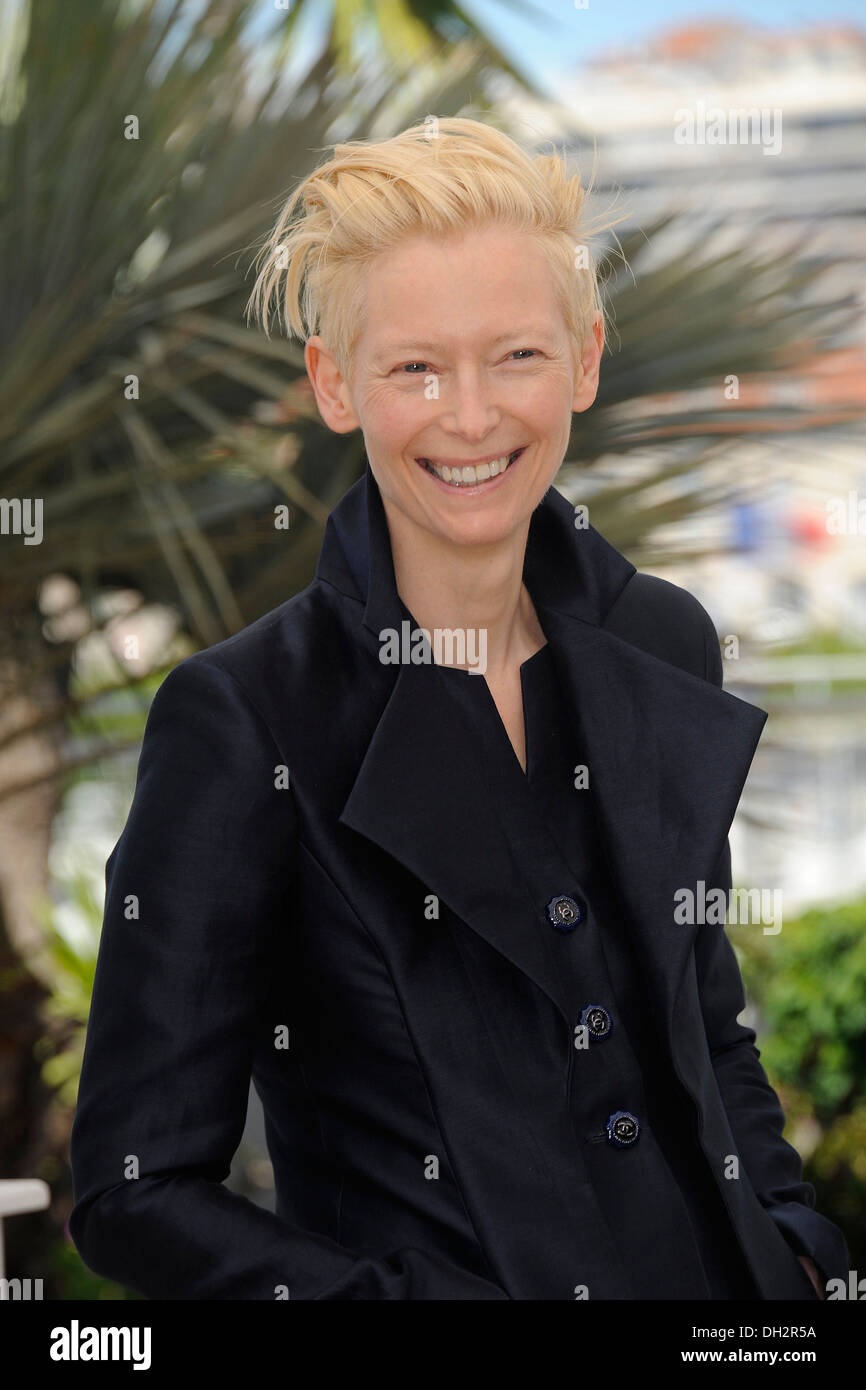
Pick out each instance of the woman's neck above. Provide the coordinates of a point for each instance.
(469, 589)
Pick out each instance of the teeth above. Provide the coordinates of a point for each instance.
(467, 476)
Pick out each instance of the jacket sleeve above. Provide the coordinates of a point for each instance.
(757, 1121)
(197, 887)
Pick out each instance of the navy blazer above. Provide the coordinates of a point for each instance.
(300, 810)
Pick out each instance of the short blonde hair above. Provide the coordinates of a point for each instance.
(439, 177)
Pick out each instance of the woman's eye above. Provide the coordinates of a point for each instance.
(408, 367)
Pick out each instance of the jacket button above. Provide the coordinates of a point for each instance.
(596, 1020)
(622, 1128)
(563, 912)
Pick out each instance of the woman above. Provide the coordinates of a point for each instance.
(423, 887)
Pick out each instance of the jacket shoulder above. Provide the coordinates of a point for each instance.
(287, 660)
(281, 641)
(668, 622)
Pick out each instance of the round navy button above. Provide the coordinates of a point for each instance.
(622, 1128)
(563, 912)
(596, 1020)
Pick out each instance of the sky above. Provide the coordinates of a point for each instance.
(568, 36)
(549, 39)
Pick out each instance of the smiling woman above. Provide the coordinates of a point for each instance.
(437, 917)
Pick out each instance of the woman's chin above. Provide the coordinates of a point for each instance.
(483, 528)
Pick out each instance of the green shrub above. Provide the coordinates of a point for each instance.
(808, 987)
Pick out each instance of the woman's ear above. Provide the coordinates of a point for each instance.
(586, 379)
(330, 388)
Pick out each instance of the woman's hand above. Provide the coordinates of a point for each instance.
(809, 1266)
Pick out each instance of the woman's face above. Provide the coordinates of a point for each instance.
(463, 359)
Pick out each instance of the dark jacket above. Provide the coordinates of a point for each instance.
(301, 811)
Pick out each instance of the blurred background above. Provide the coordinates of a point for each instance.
(145, 147)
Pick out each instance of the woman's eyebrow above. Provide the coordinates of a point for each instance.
(411, 345)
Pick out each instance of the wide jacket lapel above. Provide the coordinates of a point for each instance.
(667, 752)
(667, 755)
(420, 794)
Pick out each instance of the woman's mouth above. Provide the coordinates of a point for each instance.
(469, 475)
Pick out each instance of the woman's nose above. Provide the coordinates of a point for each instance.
(474, 405)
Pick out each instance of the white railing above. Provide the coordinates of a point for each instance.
(797, 670)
